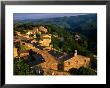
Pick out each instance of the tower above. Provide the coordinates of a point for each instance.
(75, 54)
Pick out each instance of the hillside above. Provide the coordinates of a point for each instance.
(71, 22)
(83, 25)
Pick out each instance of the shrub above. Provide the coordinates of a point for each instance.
(82, 71)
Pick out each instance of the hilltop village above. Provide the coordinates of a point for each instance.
(37, 50)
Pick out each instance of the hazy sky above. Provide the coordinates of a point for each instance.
(23, 16)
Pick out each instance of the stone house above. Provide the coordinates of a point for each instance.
(15, 53)
(50, 61)
(29, 32)
(66, 63)
(34, 31)
(37, 30)
(42, 29)
(76, 62)
(45, 40)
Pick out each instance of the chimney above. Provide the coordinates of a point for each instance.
(75, 54)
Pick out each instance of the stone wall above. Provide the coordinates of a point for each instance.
(46, 40)
(50, 65)
(76, 62)
(15, 54)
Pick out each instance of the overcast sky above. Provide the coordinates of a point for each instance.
(23, 16)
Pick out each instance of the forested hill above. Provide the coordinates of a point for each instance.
(80, 23)
(71, 22)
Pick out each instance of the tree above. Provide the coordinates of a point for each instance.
(94, 64)
(37, 36)
(21, 68)
(86, 71)
(82, 71)
(31, 35)
(15, 34)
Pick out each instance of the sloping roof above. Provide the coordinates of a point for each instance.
(65, 57)
(70, 56)
(24, 51)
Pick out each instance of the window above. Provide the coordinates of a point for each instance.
(84, 60)
(68, 63)
(76, 61)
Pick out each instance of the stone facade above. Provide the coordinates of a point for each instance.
(45, 40)
(50, 65)
(50, 61)
(15, 53)
(76, 62)
(37, 30)
(42, 29)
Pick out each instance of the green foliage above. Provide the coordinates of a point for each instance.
(19, 26)
(82, 71)
(21, 68)
(31, 35)
(94, 63)
(23, 47)
(23, 31)
(37, 36)
(66, 41)
(86, 71)
(17, 45)
(15, 34)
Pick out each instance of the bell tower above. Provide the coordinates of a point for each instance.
(75, 54)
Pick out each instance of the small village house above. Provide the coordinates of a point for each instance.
(76, 62)
(45, 40)
(15, 53)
